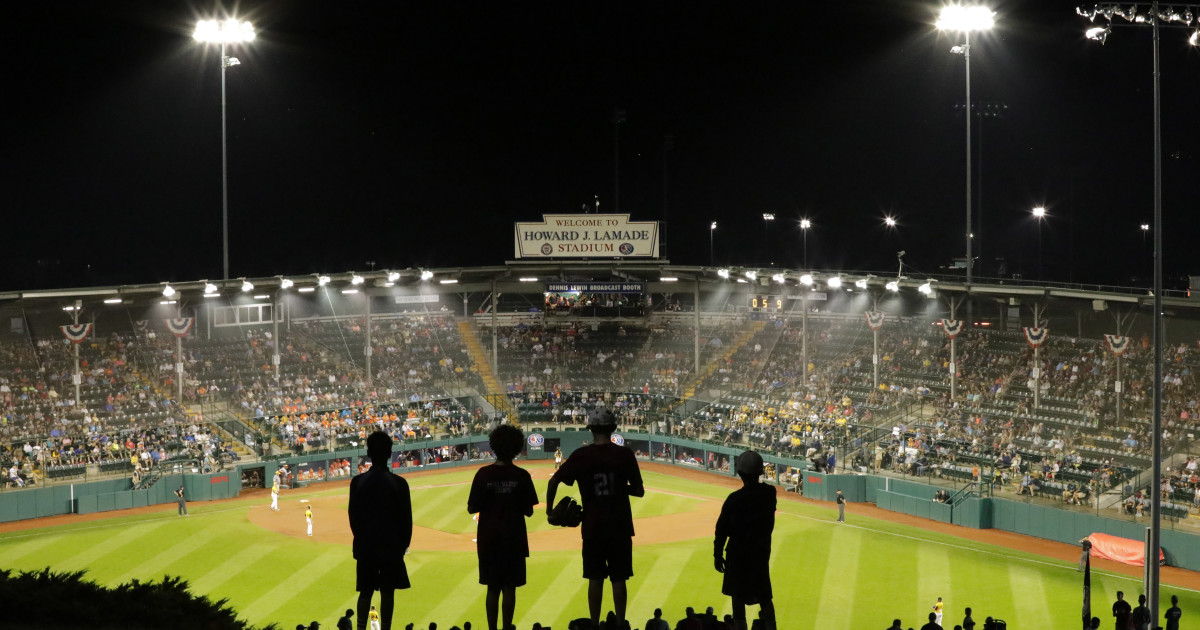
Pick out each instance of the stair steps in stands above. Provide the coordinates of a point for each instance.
(482, 365)
(713, 364)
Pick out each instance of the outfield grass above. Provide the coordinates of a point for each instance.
(858, 575)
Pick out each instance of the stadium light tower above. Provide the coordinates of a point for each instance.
(1180, 16)
(768, 218)
(1039, 213)
(805, 224)
(230, 31)
(712, 229)
(966, 19)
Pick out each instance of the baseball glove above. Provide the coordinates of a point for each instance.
(567, 513)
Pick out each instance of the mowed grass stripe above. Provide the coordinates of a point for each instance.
(161, 560)
(461, 602)
(240, 554)
(889, 565)
(272, 604)
(558, 591)
(1032, 611)
(813, 553)
(310, 603)
(836, 604)
(933, 567)
(125, 544)
(12, 553)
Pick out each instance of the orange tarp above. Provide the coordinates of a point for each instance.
(1123, 550)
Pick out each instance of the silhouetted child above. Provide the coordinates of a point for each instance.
(502, 495)
(381, 521)
(746, 522)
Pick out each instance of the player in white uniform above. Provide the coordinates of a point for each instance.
(275, 495)
(308, 518)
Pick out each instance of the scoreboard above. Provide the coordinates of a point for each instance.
(766, 303)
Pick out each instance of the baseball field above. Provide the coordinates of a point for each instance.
(861, 574)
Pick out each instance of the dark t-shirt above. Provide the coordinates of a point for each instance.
(1172, 616)
(380, 516)
(502, 495)
(607, 475)
(1121, 611)
(1141, 617)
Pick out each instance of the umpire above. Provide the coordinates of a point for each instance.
(607, 475)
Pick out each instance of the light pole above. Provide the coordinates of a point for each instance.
(768, 217)
(712, 229)
(1039, 213)
(230, 31)
(1177, 16)
(966, 19)
(804, 225)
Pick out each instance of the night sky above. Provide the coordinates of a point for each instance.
(415, 134)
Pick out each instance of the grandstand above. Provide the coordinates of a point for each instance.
(708, 353)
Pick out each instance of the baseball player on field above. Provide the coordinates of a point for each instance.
(275, 495)
(308, 518)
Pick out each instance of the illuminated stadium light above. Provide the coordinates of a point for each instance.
(889, 221)
(527, 279)
(393, 276)
(215, 295)
(168, 290)
(780, 278)
(262, 297)
(113, 301)
(892, 286)
(356, 279)
(227, 32)
(834, 282)
(724, 273)
(209, 289)
(286, 283)
(426, 275)
(741, 280)
(322, 280)
(306, 289)
(751, 275)
(668, 279)
(1195, 38)
(926, 289)
(1098, 33)
(861, 283)
(807, 280)
(247, 286)
(961, 18)
(448, 281)
(68, 308)
(166, 302)
(349, 291)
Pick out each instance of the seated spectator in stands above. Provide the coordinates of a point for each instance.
(1026, 485)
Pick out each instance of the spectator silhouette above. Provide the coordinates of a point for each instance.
(1173, 614)
(895, 625)
(742, 549)
(933, 624)
(345, 623)
(381, 521)
(657, 623)
(608, 475)
(690, 621)
(1141, 615)
(502, 495)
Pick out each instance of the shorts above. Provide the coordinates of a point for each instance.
(502, 568)
(610, 558)
(374, 577)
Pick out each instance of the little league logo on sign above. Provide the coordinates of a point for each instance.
(536, 439)
(618, 439)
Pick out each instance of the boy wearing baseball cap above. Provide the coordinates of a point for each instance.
(608, 475)
(742, 550)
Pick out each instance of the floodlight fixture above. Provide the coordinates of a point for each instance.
(723, 273)
(209, 288)
(426, 275)
(926, 289)
(1145, 227)
(168, 290)
(231, 31)
(892, 286)
(68, 308)
(217, 295)
(1195, 38)
(1098, 33)
(741, 280)
(286, 283)
(306, 289)
(805, 224)
(861, 283)
(113, 301)
(768, 216)
(964, 18)
(778, 278)
(322, 280)
(807, 280)
(166, 302)
(958, 50)
(393, 276)
(349, 291)
(834, 282)
(713, 226)
(247, 286)
(527, 279)
(356, 279)
(668, 279)
(752, 275)
(889, 221)
(262, 296)
(448, 281)
(1039, 212)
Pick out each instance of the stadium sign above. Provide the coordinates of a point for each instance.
(586, 236)
(595, 287)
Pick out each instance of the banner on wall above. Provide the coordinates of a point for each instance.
(76, 333)
(180, 326)
(586, 236)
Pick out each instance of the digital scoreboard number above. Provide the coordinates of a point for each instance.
(766, 303)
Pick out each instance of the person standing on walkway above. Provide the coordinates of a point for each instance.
(182, 501)
(841, 503)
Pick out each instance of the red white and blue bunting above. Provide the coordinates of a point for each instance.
(1117, 343)
(143, 325)
(953, 327)
(180, 326)
(875, 319)
(1036, 337)
(76, 333)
